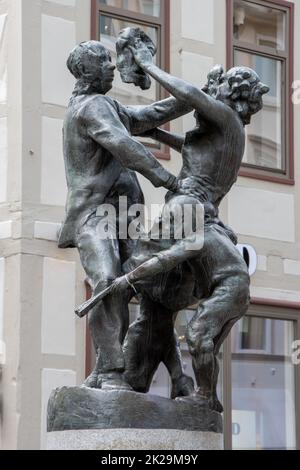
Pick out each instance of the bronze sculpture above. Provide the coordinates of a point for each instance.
(100, 156)
(168, 275)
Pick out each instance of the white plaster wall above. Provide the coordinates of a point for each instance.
(262, 263)
(292, 267)
(53, 184)
(46, 231)
(5, 229)
(52, 379)
(3, 159)
(3, 58)
(262, 214)
(197, 18)
(58, 305)
(270, 293)
(68, 3)
(194, 69)
(58, 39)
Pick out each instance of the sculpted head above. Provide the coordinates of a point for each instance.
(90, 63)
(240, 88)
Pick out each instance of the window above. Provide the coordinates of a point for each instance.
(109, 17)
(252, 335)
(260, 36)
(263, 384)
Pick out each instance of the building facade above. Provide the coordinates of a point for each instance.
(42, 344)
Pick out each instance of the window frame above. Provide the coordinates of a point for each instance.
(268, 309)
(286, 176)
(162, 23)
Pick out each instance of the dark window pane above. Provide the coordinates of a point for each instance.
(147, 7)
(253, 334)
(259, 25)
(263, 384)
(264, 146)
(110, 27)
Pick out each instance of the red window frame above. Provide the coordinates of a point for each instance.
(257, 172)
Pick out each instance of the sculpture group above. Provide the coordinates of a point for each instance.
(102, 152)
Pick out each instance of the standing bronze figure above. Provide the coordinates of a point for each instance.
(167, 275)
(100, 159)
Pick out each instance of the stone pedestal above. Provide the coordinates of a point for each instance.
(134, 439)
(82, 418)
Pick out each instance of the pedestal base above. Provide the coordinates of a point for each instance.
(84, 418)
(134, 439)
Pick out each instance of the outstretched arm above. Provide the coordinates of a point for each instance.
(162, 262)
(165, 260)
(185, 92)
(104, 126)
(144, 118)
(175, 141)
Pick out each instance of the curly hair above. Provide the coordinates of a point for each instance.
(245, 89)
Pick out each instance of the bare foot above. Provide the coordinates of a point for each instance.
(112, 381)
(196, 399)
(216, 405)
(210, 402)
(91, 380)
(184, 386)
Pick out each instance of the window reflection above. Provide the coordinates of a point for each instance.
(147, 7)
(259, 25)
(261, 41)
(264, 134)
(263, 384)
(253, 335)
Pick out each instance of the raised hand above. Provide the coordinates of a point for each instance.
(141, 53)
